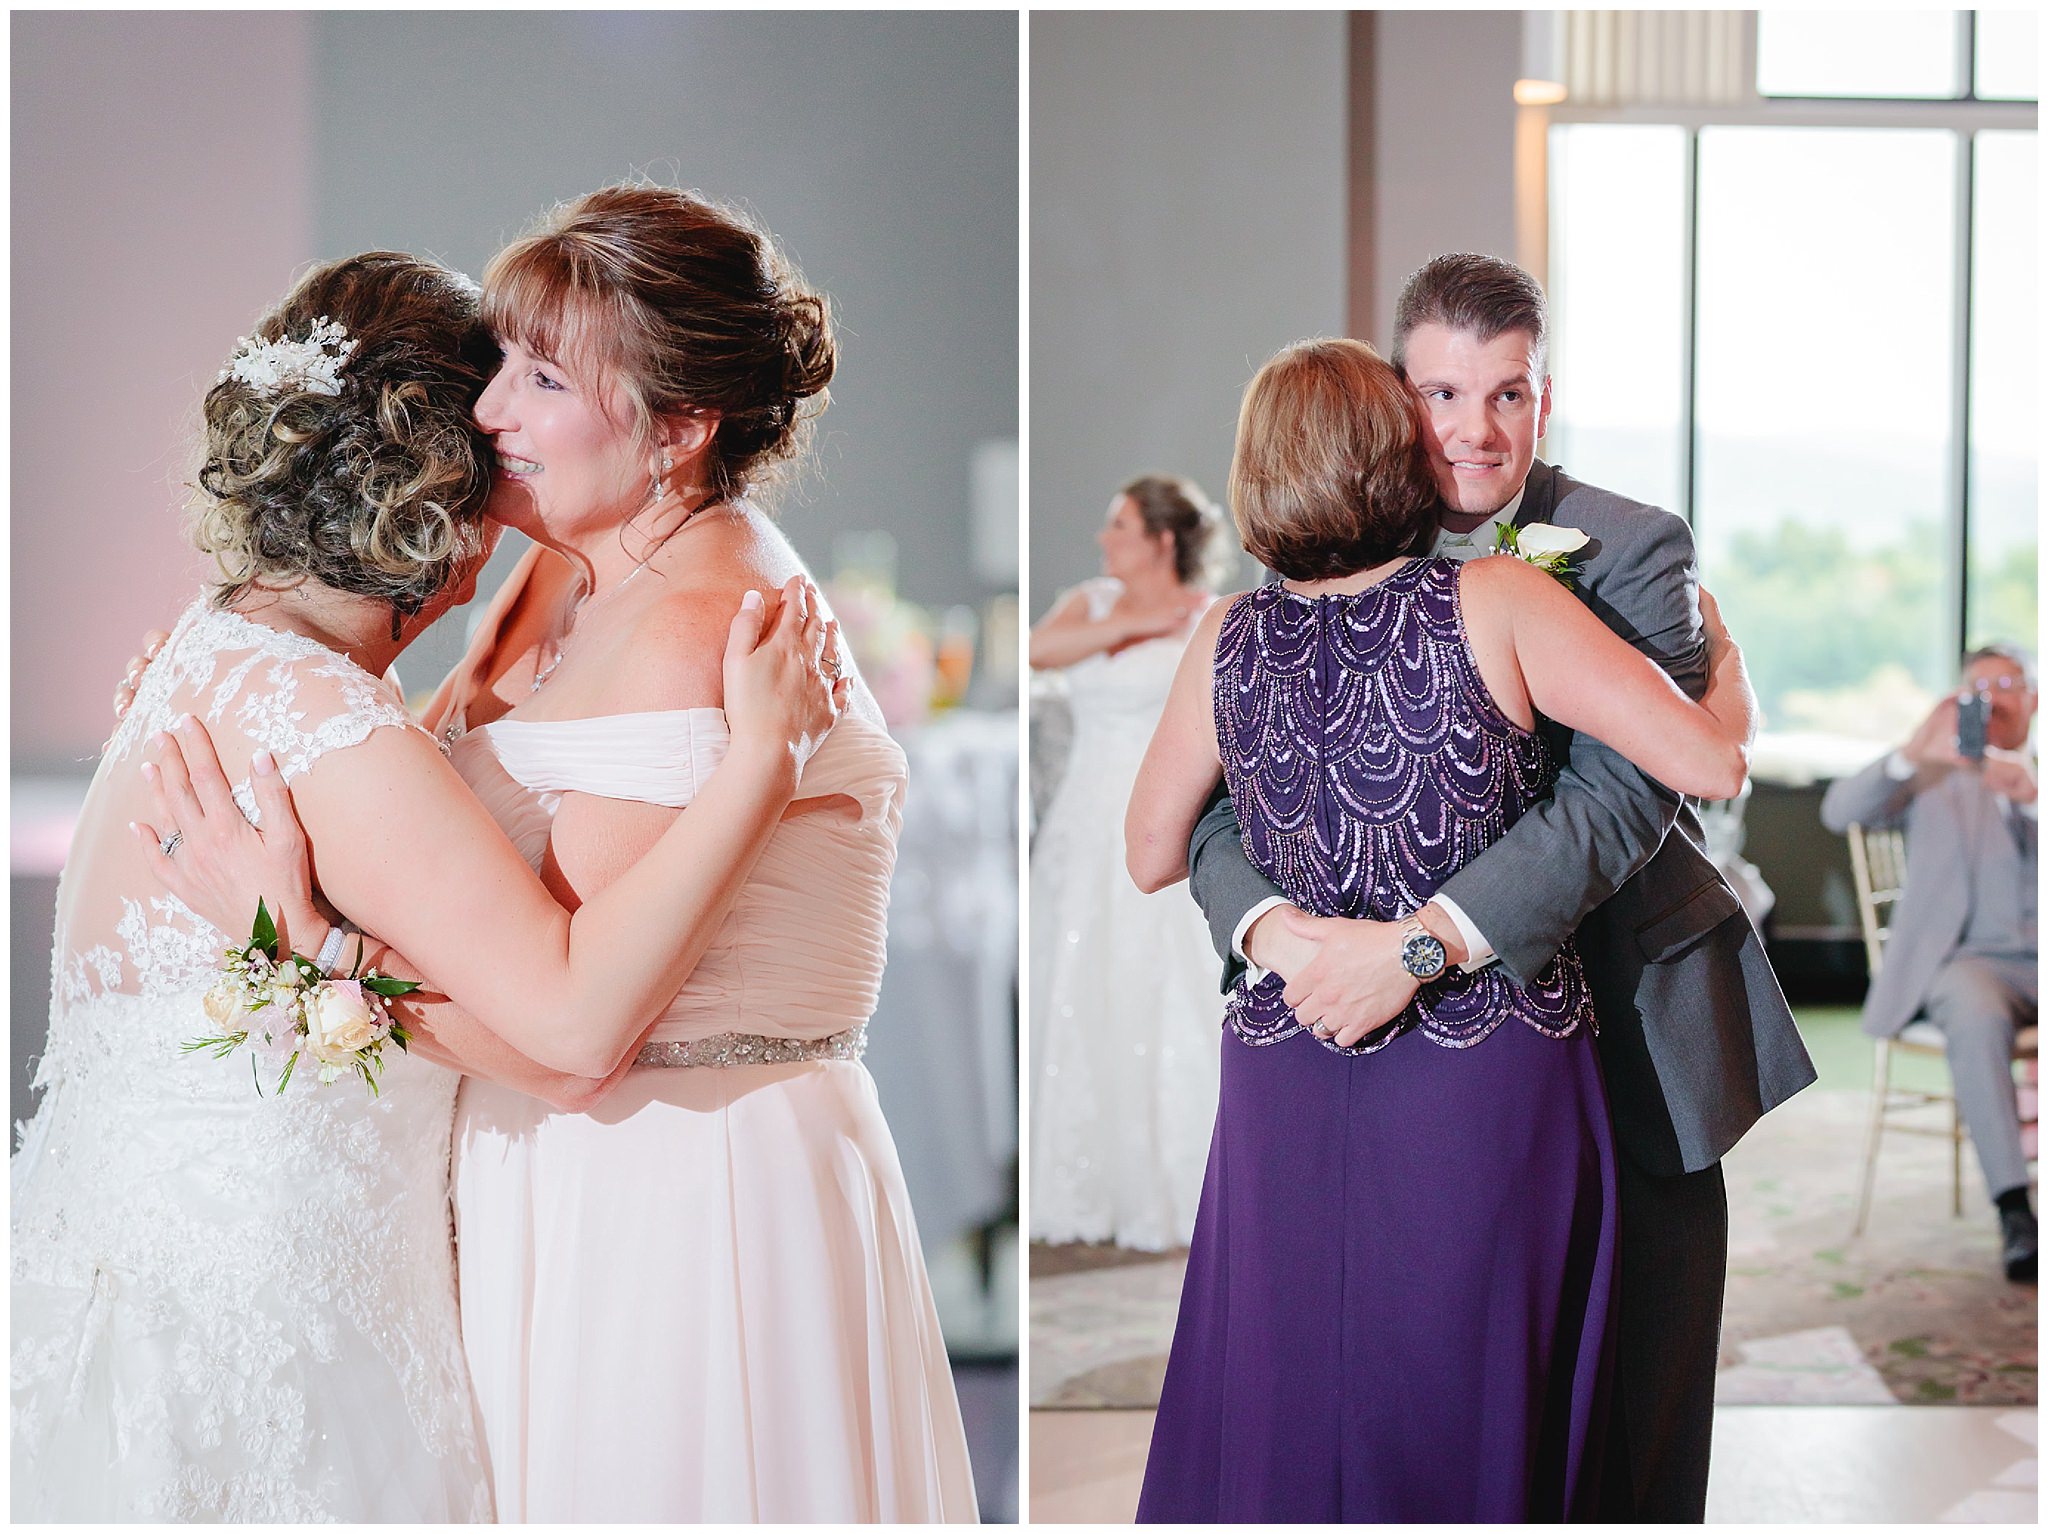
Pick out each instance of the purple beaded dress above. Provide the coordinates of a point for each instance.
(1398, 1298)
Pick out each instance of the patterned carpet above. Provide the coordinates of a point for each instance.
(1914, 1311)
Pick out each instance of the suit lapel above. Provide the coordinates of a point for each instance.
(1539, 495)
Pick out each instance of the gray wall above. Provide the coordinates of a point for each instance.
(1443, 168)
(1189, 176)
(1187, 220)
(880, 149)
(153, 218)
(172, 172)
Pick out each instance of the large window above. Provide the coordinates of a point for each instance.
(1810, 328)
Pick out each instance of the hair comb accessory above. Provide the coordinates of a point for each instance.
(271, 367)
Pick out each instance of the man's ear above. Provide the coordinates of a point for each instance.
(1543, 409)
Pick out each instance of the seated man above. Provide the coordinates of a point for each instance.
(1962, 948)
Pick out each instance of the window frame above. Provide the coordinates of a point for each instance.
(1964, 117)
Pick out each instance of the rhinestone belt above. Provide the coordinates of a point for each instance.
(721, 1049)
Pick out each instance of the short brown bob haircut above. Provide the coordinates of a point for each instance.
(1332, 470)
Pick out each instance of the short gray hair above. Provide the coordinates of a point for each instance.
(2006, 652)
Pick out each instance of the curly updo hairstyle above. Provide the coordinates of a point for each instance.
(377, 489)
(1166, 503)
(677, 303)
(1332, 472)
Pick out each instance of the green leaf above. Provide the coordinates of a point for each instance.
(264, 934)
(384, 985)
(285, 1080)
(401, 1038)
(356, 968)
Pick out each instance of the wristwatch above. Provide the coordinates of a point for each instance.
(1422, 953)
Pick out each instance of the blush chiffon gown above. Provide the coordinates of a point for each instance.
(704, 1301)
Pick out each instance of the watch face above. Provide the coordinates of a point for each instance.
(1422, 956)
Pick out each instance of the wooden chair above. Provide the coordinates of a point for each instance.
(1878, 858)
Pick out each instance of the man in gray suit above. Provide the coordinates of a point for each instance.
(1963, 948)
(1695, 1038)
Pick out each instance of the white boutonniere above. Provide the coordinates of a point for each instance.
(1546, 547)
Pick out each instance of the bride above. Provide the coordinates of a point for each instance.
(706, 1301)
(235, 1305)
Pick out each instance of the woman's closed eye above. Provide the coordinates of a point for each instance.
(553, 385)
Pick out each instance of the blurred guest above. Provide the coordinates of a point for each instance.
(1123, 1029)
(1963, 947)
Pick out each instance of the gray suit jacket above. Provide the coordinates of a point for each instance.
(1695, 1036)
(1946, 812)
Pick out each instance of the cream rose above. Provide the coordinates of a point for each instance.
(340, 1019)
(226, 1005)
(1540, 539)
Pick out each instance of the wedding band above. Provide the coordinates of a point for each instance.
(169, 845)
(830, 667)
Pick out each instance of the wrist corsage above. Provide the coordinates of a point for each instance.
(1546, 547)
(284, 1008)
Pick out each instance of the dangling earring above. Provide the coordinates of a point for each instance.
(667, 466)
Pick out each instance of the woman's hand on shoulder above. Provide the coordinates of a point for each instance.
(220, 865)
(783, 673)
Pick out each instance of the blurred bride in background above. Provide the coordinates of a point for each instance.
(1123, 984)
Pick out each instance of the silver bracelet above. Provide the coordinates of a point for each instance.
(330, 951)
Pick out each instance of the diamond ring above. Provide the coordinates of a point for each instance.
(169, 845)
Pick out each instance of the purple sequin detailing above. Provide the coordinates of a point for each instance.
(1367, 764)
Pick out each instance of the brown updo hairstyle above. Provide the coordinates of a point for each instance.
(376, 490)
(1166, 503)
(1332, 473)
(677, 303)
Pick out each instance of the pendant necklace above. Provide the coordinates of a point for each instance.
(553, 649)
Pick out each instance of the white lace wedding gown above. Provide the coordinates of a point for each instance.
(1126, 1016)
(704, 1300)
(226, 1305)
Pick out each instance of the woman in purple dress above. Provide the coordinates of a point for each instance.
(1398, 1299)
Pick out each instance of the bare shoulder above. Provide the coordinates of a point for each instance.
(1070, 607)
(675, 655)
(1495, 591)
(1503, 578)
(1210, 624)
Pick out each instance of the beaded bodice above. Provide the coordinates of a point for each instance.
(1367, 763)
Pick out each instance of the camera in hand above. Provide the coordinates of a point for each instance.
(1973, 714)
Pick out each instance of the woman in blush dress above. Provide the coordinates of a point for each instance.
(1123, 1014)
(1397, 1305)
(704, 1300)
(237, 1304)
